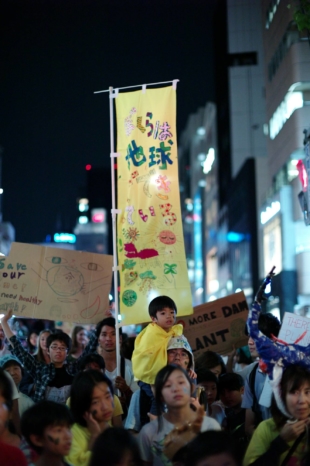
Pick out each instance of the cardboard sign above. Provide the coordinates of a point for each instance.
(293, 328)
(57, 284)
(218, 325)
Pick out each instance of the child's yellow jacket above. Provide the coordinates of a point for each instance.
(150, 353)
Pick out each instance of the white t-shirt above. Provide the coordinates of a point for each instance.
(129, 378)
(151, 442)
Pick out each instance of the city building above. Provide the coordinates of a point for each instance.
(283, 233)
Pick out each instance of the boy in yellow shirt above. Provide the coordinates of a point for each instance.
(150, 353)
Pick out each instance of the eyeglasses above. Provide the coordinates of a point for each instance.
(182, 354)
(60, 348)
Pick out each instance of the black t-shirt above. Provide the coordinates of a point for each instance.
(58, 389)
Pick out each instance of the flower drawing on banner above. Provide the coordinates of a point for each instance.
(163, 183)
(132, 234)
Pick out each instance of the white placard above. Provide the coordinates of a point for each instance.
(293, 327)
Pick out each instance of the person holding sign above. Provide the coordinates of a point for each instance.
(52, 381)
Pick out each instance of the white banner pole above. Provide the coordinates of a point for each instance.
(114, 213)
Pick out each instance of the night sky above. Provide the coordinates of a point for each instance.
(53, 55)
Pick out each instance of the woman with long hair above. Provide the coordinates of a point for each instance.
(79, 341)
(173, 395)
(283, 439)
(42, 353)
(92, 407)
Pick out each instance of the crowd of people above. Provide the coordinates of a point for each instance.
(63, 401)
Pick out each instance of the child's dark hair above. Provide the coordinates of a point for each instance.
(111, 445)
(159, 303)
(42, 415)
(230, 381)
(209, 360)
(110, 322)
(268, 324)
(59, 336)
(209, 443)
(204, 375)
(89, 358)
(82, 390)
(6, 389)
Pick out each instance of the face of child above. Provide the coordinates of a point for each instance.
(165, 318)
(231, 398)
(15, 371)
(58, 352)
(102, 405)
(57, 440)
(176, 392)
(211, 391)
(298, 402)
(4, 415)
(252, 348)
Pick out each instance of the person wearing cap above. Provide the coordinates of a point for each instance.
(12, 365)
(180, 353)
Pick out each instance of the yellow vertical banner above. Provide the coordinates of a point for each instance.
(150, 242)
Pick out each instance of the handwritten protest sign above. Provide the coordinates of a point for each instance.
(56, 284)
(218, 325)
(295, 328)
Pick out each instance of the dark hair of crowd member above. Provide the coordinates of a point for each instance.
(160, 381)
(42, 415)
(6, 390)
(109, 322)
(268, 324)
(92, 358)
(82, 391)
(209, 443)
(204, 375)
(292, 379)
(209, 360)
(59, 336)
(39, 354)
(112, 445)
(159, 303)
(230, 381)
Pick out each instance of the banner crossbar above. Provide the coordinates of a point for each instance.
(139, 85)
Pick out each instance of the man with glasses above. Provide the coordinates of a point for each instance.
(52, 381)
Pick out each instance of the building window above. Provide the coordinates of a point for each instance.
(242, 59)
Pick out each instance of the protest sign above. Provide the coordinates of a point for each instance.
(57, 284)
(150, 244)
(295, 329)
(218, 325)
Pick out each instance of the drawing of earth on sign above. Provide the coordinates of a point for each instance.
(67, 281)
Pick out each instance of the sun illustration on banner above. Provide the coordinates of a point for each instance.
(165, 241)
